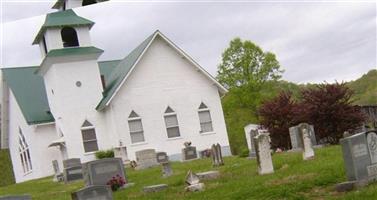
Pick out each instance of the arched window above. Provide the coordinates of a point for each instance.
(89, 137)
(205, 119)
(136, 128)
(23, 149)
(171, 123)
(88, 2)
(69, 37)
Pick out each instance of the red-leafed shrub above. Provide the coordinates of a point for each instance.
(327, 106)
(277, 115)
(116, 182)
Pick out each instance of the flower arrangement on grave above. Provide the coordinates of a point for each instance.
(116, 182)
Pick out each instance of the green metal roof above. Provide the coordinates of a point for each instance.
(73, 51)
(30, 93)
(121, 71)
(61, 19)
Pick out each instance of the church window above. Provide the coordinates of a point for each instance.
(69, 37)
(205, 119)
(136, 128)
(89, 137)
(88, 2)
(171, 123)
(24, 152)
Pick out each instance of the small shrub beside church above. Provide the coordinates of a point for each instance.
(105, 154)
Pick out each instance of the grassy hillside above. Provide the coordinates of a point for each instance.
(6, 172)
(293, 179)
(365, 89)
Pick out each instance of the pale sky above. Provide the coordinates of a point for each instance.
(313, 41)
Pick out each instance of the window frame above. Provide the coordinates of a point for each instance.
(24, 152)
(84, 128)
(138, 118)
(169, 127)
(208, 122)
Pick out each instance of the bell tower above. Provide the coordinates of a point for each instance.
(71, 74)
(69, 4)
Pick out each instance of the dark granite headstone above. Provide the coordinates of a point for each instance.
(356, 156)
(72, 174)
(162, 157)
(99, 172)
(96, 192)
(189, 153)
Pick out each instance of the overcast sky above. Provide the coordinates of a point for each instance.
(313, 41)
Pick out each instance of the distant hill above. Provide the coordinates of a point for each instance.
(365, 88)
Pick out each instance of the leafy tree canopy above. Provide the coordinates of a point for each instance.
(244, 63)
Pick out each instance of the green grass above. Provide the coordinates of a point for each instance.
(293, 179)
(6, 172)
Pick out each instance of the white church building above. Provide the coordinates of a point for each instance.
(72, 105)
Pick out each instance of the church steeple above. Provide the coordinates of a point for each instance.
(68, 4)
(63, 29)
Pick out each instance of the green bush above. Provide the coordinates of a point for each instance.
(6, 172)
(105, 154)
(244, 153)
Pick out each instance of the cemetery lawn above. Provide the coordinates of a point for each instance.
(293, 179)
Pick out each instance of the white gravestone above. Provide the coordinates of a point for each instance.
(308, 152)
(263, 150)
(251, 131)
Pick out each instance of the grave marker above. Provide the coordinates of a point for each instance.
(99, 172)
(308, 152)
(162, 157)
(264, 159)
(189, 153)
(96, 192)
(146, 158)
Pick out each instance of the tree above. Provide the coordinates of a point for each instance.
(329, 108)
(277, 115)
(244, 70)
